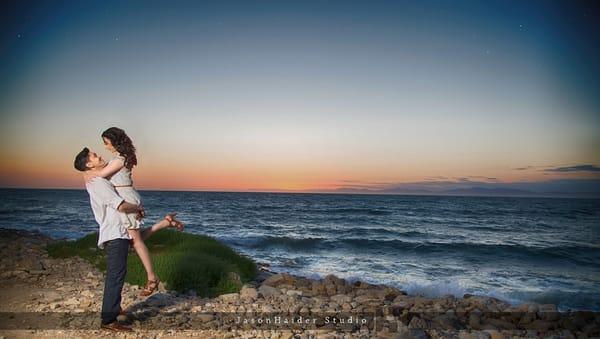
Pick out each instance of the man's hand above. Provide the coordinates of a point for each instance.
(128, 208)
(89, 175)
(141, 213)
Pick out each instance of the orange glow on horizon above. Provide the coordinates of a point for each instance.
(45, 175)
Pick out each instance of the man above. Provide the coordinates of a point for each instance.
(113, 237)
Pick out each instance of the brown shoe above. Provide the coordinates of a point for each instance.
(115, 326)
(170, 217)
(151, 287)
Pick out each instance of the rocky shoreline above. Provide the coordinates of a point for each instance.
(47, 297)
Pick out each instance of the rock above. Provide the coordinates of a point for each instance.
(85, 303)
(341, 298)
(318, 288)
(548, 312)
(279, 279)
(268, 291)
(416, 333)
(390, 293)
(531, 308)
(541, 325)
(496, 334)
(361, 284)
(332, 279)
(268, 309)
(417, 322)
(330, 289)
(498, 324)
(369, 295)
(38, 272)
(294, 293)
(475, 320)
(159, 300)
(30, 263)
(87, 293)
(527, 318)
(71, 301)
(473, 335)
(204, 317)
(446, 321)
(229, 297)
(249, 293)
(51, 296)
(262, 276)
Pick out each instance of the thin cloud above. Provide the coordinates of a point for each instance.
(437, 178)
(525, 168)
(576, 168)
(483, 177)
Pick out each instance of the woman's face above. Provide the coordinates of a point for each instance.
(109, 145)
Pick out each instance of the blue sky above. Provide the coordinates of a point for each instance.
(302, 95)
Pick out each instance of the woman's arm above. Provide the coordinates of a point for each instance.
(113, 167)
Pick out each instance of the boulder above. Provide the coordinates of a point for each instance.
(341, 298)
(249, 293)
(548, 312)
(51, 295)
(279, 279)
(294, 293)
(228, 297)
(318, 288)
(417, 323)
(268, 291)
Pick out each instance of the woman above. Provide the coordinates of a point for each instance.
(118, 171)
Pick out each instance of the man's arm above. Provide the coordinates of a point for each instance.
(126, 207)
(105, 194)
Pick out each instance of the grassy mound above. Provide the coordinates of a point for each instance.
(183, 262)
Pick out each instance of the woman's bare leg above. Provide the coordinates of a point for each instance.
(148, 231)
(142, 251)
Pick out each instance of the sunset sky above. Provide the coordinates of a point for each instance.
(317, 96)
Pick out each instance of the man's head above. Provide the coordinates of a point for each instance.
(87, 160)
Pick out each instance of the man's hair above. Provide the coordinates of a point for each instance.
(81, 160)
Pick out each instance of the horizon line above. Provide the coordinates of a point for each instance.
(551, 195)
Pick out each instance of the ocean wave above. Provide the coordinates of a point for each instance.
(389, 231)
(580, 254)
(564, 300)
(269, 208)
(27, 211)
(278, 241)
(435, 289)
(351, 211)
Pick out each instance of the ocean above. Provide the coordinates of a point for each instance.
(545, 250)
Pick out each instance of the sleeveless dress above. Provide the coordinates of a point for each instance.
(128, 193)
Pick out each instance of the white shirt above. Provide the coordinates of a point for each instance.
(105, 201)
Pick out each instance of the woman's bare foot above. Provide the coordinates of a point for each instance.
(170, 217)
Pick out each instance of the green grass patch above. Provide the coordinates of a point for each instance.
(183, 261)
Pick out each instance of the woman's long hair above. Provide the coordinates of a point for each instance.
(122, 143)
